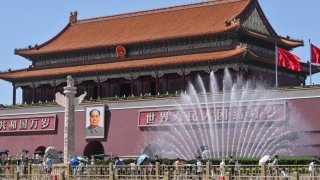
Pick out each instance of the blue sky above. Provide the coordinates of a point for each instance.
(36, 21)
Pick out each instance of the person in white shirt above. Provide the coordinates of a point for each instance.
(199, 167)
(132, 168)
(311, 168)
(42, 167)
(222, 167)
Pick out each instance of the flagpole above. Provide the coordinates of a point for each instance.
(276, 61)
(310, 71)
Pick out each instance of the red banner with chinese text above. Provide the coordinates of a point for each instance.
(220, 113)
(29, 123)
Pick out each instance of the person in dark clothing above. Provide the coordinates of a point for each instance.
(156, 159)
(232, 163)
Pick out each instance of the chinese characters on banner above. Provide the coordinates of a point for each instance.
(220, 113)
(27, 123)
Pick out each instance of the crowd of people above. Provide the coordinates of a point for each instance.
(147, 167)
(180, 168)
(144, 167)
(45, 167)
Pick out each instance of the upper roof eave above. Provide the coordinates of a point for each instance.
(34, 51)
(279, 40)
(36, 47)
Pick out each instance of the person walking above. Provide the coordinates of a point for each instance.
(311, 168)
(19, 167)
(132, 168)
(150, 168)
(269, 167)
(42, 167)
(80, 168)
(177, 166)
(117, 163)
(156, 159)
(199, 165)
(49, 165)
(7, 168)
(237, 168)
(222, 168)
(232, 163)
(118, 166)
(284, 174)
(275, 163)
(212, 167)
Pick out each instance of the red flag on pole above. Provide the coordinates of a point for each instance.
(315, 54)
(288, 60)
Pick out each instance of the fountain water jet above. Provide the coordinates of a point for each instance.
(237, 121)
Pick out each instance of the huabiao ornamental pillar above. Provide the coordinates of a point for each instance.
(69, 101)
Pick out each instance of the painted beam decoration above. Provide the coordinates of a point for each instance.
(214, 113)
(29, 123)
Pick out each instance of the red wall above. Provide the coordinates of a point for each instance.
(124, 137)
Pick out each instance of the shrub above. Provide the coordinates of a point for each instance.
(216, 161)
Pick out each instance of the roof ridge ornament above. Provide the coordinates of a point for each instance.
(231, 21)
(242, 45)
(73, 17)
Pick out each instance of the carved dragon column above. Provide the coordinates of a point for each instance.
(69, 102)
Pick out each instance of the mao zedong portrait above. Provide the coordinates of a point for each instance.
(94, 129)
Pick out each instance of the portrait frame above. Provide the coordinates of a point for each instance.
(97, 132)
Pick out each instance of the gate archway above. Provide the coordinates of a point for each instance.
(40, 150)
(93, 148)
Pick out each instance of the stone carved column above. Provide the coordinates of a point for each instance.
(69, 101)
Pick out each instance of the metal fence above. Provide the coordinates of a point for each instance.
(157, 172)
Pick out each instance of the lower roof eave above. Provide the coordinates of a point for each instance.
(127, 66)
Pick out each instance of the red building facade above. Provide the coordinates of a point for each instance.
(128, 134)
